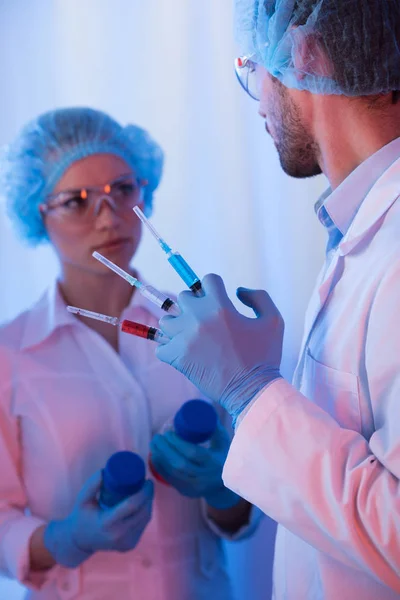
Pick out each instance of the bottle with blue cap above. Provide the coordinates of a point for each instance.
(123, 476)
(195, 422)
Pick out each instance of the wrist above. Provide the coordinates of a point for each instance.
(40, 558)
(222, 499)
(58, 541)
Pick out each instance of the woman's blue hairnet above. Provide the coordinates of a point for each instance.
(47, 147)
(348, 47)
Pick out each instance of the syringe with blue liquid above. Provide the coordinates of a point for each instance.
(177, 262)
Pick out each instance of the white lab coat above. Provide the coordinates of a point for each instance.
(67, 402)
(324, 461)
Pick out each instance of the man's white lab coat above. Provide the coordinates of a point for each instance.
(322, 457)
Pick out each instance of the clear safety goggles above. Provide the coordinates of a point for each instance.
(245, 70)
(83, 205)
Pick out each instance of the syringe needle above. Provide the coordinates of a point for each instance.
(152, 229)
(108, 263)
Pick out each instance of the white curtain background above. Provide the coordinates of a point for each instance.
(224, 202)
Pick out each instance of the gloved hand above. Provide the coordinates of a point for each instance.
(228, 356)
(89, 528)
(193, 470)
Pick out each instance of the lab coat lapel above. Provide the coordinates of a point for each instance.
(379, 200)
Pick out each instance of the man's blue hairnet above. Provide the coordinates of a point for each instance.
(348, 47)
(47, 147)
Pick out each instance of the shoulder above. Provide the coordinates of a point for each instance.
(12, 333)
(379, 253)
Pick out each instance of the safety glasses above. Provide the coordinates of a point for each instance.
(245, 70)
(83, 205)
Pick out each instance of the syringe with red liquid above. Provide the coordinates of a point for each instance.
(131, 327)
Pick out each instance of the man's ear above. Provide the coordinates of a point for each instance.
(309, 55)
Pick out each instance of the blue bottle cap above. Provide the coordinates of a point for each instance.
(195, 421)
(124, 473)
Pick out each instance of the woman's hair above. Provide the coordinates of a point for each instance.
(47, 146)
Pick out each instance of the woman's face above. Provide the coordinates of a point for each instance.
(114, 232)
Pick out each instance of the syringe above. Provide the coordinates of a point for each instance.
(143, 331)
(148, 291)
(177, 262)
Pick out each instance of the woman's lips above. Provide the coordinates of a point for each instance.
(112, 244)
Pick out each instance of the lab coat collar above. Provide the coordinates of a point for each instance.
(50, 314)
(377, 202)
(47, 315)
(342, 204)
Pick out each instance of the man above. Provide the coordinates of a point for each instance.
(321, 456)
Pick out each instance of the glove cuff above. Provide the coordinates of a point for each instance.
(249, 385)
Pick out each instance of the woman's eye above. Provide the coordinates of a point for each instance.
(125, 189)
(74, 203)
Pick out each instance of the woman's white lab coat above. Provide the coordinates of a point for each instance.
(67, 402)
(324, 461)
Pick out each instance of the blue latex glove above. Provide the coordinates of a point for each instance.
(228, 356)
(194, 470)
(89, 528)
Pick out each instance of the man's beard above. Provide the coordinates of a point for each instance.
(298, 152)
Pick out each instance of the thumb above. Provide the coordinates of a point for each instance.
(90, 490)
(258, 300)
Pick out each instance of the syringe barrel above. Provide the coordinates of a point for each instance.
(144, 331)
(181, 267)
(161, 300)
(137, 329)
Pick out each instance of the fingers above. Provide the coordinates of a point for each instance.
(192, 452)
(131, 531)
(213, 285)
(185, 298)
(258, 300)
(90, 490)
(171, 325)
(166, 458)
(132, 505)
(133, 526)
(169, 352)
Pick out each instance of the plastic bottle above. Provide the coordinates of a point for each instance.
(123, 476)
(194, 422)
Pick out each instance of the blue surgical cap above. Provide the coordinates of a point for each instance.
(348, 47)
(46, 147)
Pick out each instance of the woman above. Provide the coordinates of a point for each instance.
(73, 391)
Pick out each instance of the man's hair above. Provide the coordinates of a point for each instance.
(360, 39)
